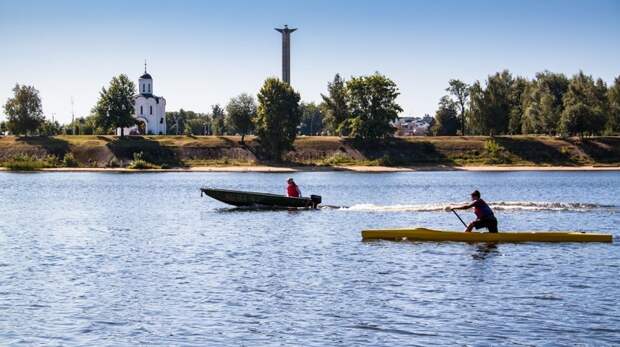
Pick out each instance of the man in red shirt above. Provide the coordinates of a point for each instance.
(292, 190)
(484, 215)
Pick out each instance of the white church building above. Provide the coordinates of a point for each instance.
(149, 110)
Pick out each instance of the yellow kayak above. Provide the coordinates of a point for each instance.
(423, 234)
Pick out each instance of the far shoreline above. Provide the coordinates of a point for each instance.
(354, 168)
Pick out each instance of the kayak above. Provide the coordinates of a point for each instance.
(423, 234)
(255, 199)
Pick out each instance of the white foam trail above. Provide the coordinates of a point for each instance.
(498, 206)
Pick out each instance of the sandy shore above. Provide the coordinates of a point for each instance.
(368, 169)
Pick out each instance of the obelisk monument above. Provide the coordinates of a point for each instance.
(286, 52)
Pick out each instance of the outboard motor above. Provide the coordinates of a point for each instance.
(316, 200)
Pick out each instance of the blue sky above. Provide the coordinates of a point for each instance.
(204, 52)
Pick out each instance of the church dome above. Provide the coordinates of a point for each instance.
(147, 76)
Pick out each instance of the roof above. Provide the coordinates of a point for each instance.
(147, 76)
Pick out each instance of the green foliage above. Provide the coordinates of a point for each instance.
(196, 126)
(241, 111)
(22, 162)
(115, 106)
(460, 92)
(335, 107)
(139, 163)
(491, 105)
(542, 103)
(311, 119)
(86, 126)
(3, 128)
(496, 154)
(517, 95)
(69, 160)
(49, 128)
(372, 107)
(218, 122)
(584, 107)
(337, 159)
(277, 117)
(446, 121)
(24, 111)
(613, 97)
(177, 123)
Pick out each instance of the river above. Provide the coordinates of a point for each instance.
(141, 259)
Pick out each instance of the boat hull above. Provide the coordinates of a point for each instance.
(255, 199)
(422, 234)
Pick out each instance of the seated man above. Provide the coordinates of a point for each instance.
(292, 190)
(484, 215)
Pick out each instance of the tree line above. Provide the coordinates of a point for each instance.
(550, 104)
(363, 108)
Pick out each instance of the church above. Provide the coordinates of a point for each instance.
(149, 110)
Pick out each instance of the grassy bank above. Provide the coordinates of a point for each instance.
(31, 153)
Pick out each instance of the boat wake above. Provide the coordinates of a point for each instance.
(498, 206)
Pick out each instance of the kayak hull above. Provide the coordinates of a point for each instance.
(423, 234)
(255, 199)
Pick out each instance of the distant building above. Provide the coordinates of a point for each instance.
(413, 126)
(149, 110)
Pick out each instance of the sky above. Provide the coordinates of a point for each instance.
(202, 53)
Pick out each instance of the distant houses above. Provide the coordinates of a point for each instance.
(413, 126)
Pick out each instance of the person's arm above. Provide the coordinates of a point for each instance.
(463, 207)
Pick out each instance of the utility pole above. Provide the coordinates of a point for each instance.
(72, 118)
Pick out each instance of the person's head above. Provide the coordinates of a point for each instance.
(290, 181)
(475, 195)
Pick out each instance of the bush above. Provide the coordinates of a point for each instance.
(337, 159)
(69, 161)
(138, 162)
(22, 162)
(496, 153)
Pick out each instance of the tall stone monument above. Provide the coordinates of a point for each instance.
(286, 52)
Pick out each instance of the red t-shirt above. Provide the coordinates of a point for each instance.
(482, 210)
(293, 191)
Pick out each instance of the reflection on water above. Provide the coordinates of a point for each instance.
(484, 250)
(109, 259)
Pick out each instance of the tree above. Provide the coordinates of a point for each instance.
(24, 111)
(240, 115)
(613, 97)
(115, 106)
(84, 126)
(218, 123)
(311, 119)
(446, 119)
(3, 128)
(195, 126)
(460, 92)
(517, 95)
(491, 106)
(335, 106)
(50, 128)
(277, 117)
(584, 107)
(177, 123)
(542, 103)
(372, 107)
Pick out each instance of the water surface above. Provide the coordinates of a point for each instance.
(129, 259)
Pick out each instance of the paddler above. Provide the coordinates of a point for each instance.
(292, 189)
(484, 215)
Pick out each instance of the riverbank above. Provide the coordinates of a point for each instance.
(316, 153)
(362, 169)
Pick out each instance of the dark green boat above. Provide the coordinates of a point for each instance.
(254, 199)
